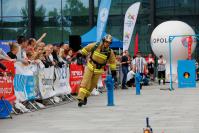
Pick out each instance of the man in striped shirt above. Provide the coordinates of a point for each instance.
(139, 64)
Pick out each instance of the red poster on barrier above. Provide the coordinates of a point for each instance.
(6, 81)
(76, 75)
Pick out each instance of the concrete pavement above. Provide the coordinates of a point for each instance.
(169, 112)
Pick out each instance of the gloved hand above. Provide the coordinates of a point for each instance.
(79, 55)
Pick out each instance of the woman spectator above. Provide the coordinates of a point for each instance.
(47, 61)
(69, 56)
(161, 69)
(57, 59)
(39, 58)
(150, 66)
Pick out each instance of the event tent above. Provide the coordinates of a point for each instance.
(91, 36)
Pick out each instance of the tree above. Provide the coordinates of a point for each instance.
(40, 12)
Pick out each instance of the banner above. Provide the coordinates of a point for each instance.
(6, 81)
(102, 18)
(76, 75)
(129, 24)
(60, 83)
(46, 77)
(19, 86)
(24, 82)
(190, 41)
(136, 47)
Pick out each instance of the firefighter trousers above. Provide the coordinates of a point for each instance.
(88, 83)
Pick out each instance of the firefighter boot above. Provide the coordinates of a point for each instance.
(82, 102)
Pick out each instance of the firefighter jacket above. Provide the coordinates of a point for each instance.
(99, 57)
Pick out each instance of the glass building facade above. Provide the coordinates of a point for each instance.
(61, 18)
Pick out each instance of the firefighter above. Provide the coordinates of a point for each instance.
(99, 54)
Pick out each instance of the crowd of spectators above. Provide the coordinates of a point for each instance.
(144, 65)
(30, 50)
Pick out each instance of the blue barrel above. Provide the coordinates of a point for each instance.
(110, 88)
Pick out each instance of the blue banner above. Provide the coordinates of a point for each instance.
(4, 44)
(30, 87)
(102, 18)
(24, 87)
(19, 86)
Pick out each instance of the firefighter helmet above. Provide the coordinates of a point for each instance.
(108, 38)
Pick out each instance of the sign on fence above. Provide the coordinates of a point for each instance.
(60, 83)
(6, 81)
(76, 75)
(46, 77)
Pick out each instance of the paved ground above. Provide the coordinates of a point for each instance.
(169, 112)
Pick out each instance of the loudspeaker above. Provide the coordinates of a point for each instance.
(75, 42)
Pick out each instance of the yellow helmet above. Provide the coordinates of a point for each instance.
(108, 38)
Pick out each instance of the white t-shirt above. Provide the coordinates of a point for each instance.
(130, 75)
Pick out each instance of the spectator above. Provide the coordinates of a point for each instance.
(14, 49)
(33, 42)
(47, 61)
(4, 56)
(21, 55)
(30, 57)
(57, 59)
(139, 65)
(150, 66)
(130, 81)
(64, 48)
(39, 58)
(125, 65)
(161, 69)
(69, 56)
(22, 41)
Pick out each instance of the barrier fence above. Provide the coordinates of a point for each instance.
(21, 83)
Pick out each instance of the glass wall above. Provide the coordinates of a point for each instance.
(61, 18)
(48, 20)
(182, 10)
(14, 19)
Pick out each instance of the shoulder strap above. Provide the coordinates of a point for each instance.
(94, 48)
(109, 53)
